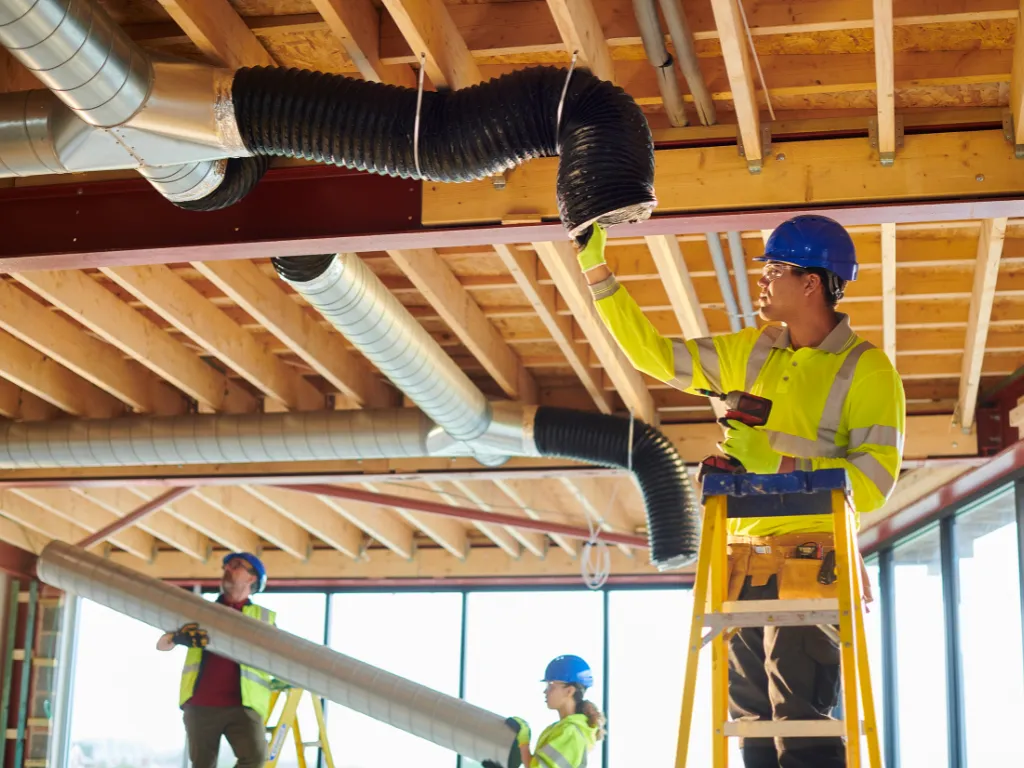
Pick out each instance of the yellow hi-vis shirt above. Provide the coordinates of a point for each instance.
(565, 744)
(838, 405)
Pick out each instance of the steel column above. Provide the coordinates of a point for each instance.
(16, 562)
(890, 690)
(954, 664)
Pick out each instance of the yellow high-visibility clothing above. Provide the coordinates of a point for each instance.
(838, 405)
(565, 744)
(255, 683)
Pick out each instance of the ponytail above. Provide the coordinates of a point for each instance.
(595, 718)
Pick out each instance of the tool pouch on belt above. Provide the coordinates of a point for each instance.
(799, 579)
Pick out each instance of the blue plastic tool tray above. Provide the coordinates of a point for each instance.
(793, 493)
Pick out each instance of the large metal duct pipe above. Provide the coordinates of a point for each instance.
(722, 273)
(739, 269)
(686, 57)
(444, 720)
(653, 38)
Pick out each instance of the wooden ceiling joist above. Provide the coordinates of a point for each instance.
(560, 261)
(324, 351)
(448, 533)
(37, 518)
(19, 405)
(1017, 84)
(219, 32)
(986, 272)
(161, 524)
(580, 30)
(535, 499)
(111, 319)
(83, 513)
(733, 38)
(259, 517)
(382, 524)
(544, 302)
(310, 513)
(356, 25)
(429, 30)
(90, 358)
(457, 497)
(181, 305)
(439, 286)
(47, 379)
(885, 76)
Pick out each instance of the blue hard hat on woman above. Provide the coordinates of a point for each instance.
(813, 242)
(569, 669)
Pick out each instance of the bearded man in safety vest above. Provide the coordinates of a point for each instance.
(220, 697)
(837, 403)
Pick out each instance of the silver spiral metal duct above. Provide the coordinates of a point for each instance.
(80, 54)
(444, 720)
(354, 300)
(220, 438)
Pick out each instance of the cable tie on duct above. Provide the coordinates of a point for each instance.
(419, 109)
(561, 101)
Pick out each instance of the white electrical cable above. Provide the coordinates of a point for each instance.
(757, 61)
(561, 101)
(416, 123)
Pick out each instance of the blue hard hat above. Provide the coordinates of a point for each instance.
(255, 562)
(813, 241)
(569, 669)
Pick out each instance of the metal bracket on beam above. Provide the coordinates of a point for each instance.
(499, 180)
(885, 158)
(1009, 135)
(754, 166)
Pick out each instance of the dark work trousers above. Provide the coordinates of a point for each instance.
(241, 726)
(784, 673)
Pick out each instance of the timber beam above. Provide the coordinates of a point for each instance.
(952, 176)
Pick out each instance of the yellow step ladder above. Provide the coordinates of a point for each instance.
(289, 722)
(798, 493)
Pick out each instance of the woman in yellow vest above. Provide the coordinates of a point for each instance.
(219, 697)
(565, 744)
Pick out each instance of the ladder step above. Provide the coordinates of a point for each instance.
(39, 762)
(777, 613)
(50, 602)
(787, 729)
(38, 722)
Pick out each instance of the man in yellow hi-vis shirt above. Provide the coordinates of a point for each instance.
(837, 403)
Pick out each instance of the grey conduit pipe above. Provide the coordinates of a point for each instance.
(444, 720)
(739, 269)
(722, 273)
(646, 13)
(686, 57)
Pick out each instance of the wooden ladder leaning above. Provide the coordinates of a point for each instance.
(728, 496)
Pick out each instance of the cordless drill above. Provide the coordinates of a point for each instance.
(739, 406)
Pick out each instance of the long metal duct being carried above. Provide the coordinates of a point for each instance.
(125, 109)
(437, 717)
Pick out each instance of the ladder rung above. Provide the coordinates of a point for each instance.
(44, 661)
(51, 602)
(38, 722)
(18, 654)
(786, 729)
(38, 762)
(760, 606)
(779, 613)
(11, 733)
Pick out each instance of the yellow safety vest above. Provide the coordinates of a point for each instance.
(564, 744)
(255, 683)
(838, 405)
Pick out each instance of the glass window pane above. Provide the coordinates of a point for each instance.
(116, 662)
(873, 632)
(990, 631)
(920, 652)
(511, 637)
(416, 635)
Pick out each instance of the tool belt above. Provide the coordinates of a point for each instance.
(803, 564)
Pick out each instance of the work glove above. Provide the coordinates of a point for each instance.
(750, 446)
(523, 735)
(191, 636)
(592, 254)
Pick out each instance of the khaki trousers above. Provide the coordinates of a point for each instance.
(241, 726)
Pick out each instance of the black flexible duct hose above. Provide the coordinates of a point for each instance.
(240, 177)
(606, 171)
(673, 528)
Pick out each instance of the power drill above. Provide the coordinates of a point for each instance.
(739, 406)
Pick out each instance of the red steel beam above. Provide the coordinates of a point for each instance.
(317, 209)
(465, 513)
(16, 562)
(1000, 467)
(147, 509)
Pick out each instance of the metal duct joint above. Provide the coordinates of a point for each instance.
(80, 54)
(437, 717)
(184, 183)
(354, 300)
(653, 38)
